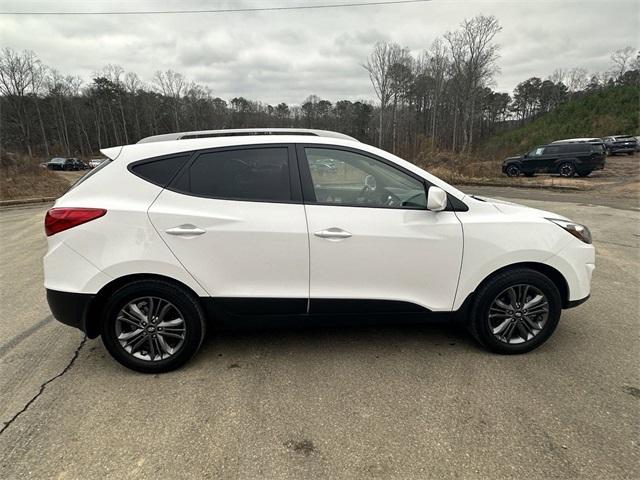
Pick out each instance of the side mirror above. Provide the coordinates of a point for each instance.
(436, 199)
(525, 155)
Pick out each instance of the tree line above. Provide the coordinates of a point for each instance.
(440, 98)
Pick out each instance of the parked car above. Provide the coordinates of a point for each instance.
(95, 162)
(566, 159)
(59, 163)
(621, 144)
(79, 164)
(173, 233)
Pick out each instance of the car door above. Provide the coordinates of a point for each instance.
(533, 162)
(372, 241)
(549, 159)
(235, 220)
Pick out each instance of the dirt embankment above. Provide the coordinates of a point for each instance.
(620, 177)
(24, 178)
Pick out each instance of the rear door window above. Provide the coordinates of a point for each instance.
(552, 150)
(252, 174)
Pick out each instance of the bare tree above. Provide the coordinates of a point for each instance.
(621, 59)
(16, 83)
(401, 74)
(171, 85)
(132, 85)
(438, 66)
(577, 79)
(474, 59)
(39, 74)
(378, 65)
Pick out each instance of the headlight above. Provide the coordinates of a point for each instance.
(579, 231)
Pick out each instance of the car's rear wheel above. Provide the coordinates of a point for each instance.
(567, 169)
(513, 171)
(152, 326)
(515, 311)
(585, 173)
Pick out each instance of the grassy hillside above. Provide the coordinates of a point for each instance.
(613, 110)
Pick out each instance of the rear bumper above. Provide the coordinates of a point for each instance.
(629, 149)
(575, 303)
(70, 308)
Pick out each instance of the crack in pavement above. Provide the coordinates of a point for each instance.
(43, 386)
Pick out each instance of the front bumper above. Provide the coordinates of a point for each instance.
(70, 308)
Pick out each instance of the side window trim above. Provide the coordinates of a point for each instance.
(294, 178)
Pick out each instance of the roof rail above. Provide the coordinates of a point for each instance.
(237, 132)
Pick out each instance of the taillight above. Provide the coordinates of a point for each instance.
(59, 219)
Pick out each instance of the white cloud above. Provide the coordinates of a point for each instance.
(285, 56)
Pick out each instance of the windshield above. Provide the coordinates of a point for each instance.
(57, 160)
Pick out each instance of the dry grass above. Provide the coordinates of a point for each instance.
(23, 177)
(621, 175)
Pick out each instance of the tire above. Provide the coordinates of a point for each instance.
(630, 153)
(567, 170)
(584, 174)
(513, 171)
(150, 354)
(484, 328)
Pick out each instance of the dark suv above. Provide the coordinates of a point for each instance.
(567, 159)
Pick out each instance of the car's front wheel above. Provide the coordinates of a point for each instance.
(513, 171)
(152, 326)
(567, 170)
(515, 311)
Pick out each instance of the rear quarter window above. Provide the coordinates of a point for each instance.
(159, 171)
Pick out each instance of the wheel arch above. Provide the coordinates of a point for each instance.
(550, 272)
(94, 314)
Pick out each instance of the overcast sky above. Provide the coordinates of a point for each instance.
(287, 55)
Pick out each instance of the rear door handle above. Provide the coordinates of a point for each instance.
(333, 233)
(185, 231)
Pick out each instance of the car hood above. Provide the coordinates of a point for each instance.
(511, 159)
(510, 208)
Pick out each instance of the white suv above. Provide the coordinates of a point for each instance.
(184, 228)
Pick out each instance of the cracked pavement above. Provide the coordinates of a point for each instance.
(386, 401)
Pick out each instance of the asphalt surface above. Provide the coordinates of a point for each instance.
(386, 401)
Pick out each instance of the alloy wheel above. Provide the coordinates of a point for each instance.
(150, 328)
(518, 314)
(513, 171)
(567, 170)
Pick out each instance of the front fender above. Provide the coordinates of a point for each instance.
(495, 241)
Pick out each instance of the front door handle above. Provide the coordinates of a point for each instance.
(333, 233)
(185, 230)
